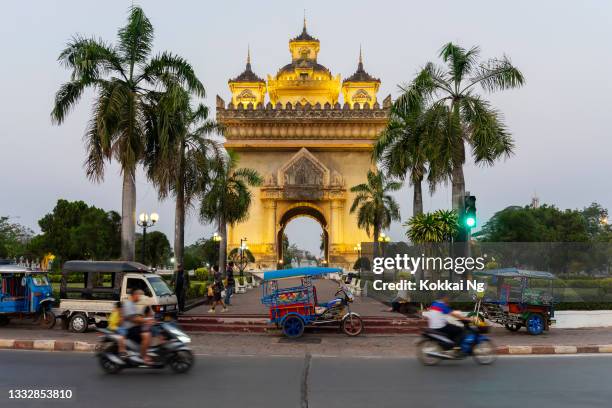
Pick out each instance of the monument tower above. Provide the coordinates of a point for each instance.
(309, 147)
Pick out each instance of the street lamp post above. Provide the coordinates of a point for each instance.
(383, 239)
(217, 240)
(243, 247)
(357, 249)
(146, 221)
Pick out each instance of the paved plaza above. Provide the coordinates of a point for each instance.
(249, 303)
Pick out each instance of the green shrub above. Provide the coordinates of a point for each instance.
(201, 274)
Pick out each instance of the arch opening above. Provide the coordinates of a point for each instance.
(307, 218)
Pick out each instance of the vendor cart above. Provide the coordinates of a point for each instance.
(517, 298)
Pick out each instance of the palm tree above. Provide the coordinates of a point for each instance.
(431, 229)
(402, 149)
(228, 198)
(375, 207)
(181, 163)
(124, 78)
(435, 227)
(457, 115)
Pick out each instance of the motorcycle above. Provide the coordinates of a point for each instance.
(173, 352)
(435, 346)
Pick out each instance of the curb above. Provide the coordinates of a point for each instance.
(47, 345)
(82, 346)
(554, 349)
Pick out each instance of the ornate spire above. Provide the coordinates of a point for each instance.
(247, 75)
(361, 75)
(304, 36)
(360, 64)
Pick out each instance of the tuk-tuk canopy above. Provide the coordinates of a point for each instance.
(13, 268)
(105, 266)
(299, 272)
(515, 273)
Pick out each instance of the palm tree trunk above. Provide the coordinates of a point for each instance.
(376, 243)
(128, 221)
(128, 216)
(417, 199)
(179, 238)
(222, 244)
(458, 190)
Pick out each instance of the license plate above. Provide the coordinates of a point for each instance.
(167, 318)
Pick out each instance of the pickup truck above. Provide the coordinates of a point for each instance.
(96, 303)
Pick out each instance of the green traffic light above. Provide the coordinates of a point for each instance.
(470, 222)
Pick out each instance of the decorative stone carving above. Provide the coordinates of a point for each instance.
(270, 180)
(304, 170)
(337, 179)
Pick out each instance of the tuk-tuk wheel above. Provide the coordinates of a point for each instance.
(293, 327)
(4, 321)
(47, 320)
(535, 324)
(78, 323)
(513, 327)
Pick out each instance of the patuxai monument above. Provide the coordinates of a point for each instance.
(309, 133)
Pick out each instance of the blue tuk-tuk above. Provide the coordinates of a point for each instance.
(25, 294)
(293, 308)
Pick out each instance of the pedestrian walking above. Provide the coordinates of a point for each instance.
(217, 289)
(231, 283)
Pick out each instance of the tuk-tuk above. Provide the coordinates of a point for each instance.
(518, 298)
(25, 294)
(294, 308)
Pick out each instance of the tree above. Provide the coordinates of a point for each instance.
(543, 224)
(228, 199)
(125, 80)
(14, 238)
(157, 251)
(74, 230)
(403, 151)
(434, 227)
(180, 164)
(203, 251)
(456, 115)
(431, 229)
(375, 207)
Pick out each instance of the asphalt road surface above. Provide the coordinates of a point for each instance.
(313, 382)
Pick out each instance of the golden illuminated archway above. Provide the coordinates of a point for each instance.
(310, 149)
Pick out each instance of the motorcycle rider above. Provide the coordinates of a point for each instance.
(136, 324)
(439, 311)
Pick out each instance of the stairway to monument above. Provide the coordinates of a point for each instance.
(232, 323)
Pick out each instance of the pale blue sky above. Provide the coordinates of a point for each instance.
(559, 119)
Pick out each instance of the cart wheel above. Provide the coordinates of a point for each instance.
(4, 321)
(78, 323)
(293, 327)
(513, 327)
(47, 319)
(352, 325)
(535, 324)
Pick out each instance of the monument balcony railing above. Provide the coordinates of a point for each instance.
(306, 110)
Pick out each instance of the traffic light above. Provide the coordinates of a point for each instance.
(469, 212)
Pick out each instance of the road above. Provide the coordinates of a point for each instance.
(317, 382)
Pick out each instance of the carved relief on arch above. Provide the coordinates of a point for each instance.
(305, 170)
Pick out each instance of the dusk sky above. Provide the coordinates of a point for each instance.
(559, 119)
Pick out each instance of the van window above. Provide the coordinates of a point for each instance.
(137, 283)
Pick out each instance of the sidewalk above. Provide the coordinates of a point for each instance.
(249, 303)
(557, 341)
